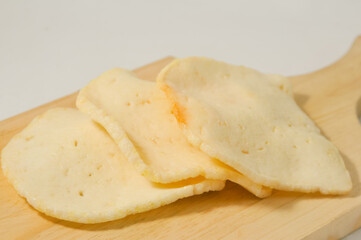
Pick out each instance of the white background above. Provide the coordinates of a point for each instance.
(52, 48)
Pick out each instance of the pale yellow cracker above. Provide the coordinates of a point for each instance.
(241, 117)
(138, 117)
(68, 167)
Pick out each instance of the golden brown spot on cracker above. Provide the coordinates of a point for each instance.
(177, 110)
(145, 102)
(29, 138)
(179, 113)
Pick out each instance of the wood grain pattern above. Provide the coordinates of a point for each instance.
(330, 96)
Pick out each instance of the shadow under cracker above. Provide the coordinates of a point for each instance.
(301, 99)
(232, 195)
(355, 178)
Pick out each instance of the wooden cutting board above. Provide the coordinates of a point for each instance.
(330, 96)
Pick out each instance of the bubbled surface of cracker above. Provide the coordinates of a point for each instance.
(249, 121)
(138, 117)
(68, 167)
